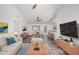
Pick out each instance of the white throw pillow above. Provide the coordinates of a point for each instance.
(16, 38)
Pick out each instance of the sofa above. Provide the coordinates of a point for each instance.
(10, 49)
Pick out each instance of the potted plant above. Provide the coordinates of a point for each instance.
(36, 44)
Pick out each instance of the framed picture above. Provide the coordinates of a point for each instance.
(3, 27)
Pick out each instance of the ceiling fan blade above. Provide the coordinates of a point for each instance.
(34, 6)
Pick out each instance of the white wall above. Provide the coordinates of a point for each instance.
(49, 27)
(8, 14)
(66, 14)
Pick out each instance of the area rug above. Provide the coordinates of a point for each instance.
(49, 50)
(55, 49)
(23, 50)
(50, 46)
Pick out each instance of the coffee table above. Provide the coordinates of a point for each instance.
(31, 50)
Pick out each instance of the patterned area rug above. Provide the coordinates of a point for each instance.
(53, 49)
(23, 50)
(50, 46)
(49, 50)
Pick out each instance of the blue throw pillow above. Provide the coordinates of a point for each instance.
(10, 40)
(1, 47)
(1, 29)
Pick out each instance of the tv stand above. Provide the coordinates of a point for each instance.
(68, 48)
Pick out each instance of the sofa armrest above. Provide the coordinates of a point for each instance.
(18, 39)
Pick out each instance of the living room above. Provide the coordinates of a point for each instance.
(36, 29)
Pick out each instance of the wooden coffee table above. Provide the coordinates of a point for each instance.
(31, 50)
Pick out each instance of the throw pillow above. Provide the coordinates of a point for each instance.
(10, 40)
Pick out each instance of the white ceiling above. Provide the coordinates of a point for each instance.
(46, 12)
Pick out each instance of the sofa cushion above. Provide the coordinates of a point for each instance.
(11, 49)
(10, 40)
(2, 41)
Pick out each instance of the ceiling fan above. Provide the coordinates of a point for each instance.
(38, 19)
(34, 6)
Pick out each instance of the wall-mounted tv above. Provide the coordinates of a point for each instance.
(69, 29)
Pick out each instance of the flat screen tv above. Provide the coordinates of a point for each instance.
(69, 29)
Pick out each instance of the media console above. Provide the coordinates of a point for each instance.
(68, 48)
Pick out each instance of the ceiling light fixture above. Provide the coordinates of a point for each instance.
(38, 19)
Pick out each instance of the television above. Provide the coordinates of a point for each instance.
(69, 29)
